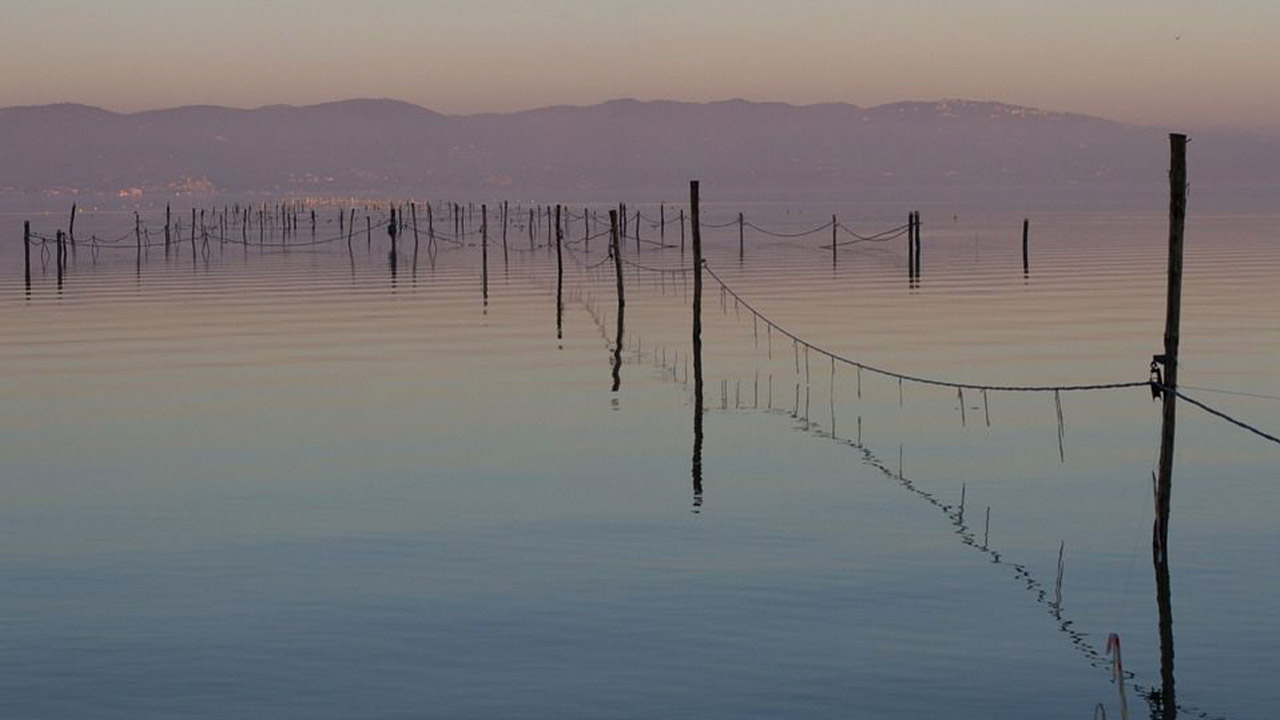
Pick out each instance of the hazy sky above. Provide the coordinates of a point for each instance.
(1173, 63)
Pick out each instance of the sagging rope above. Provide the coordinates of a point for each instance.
(1219, 414)
(901, 377)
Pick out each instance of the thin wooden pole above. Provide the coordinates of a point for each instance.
(911, 245)
(431, 227)
(697, 344)
(484, 251)
(662, 223)
(71, 228)
(681, 231)
(559, 279)
(505, 210)
(637, 232)
(916, 214)
(1026, 259)
(26, 250)
(368, 231)
(834, 226)
(741, 235)
(413, 216)
(167, 220)
(615, 250)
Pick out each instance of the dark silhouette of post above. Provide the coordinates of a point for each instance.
(834, 225)
(615, 250)
(681, 231)
(1026, 259)
(71, 227)
(26, 251)
(741, 235)
(662, 223)
(911, 246)
(697, 344)
(1169, 380)
(484, 251)
(559, 278)
(413, 217)
(916, 215)
(167, 220)
(504, 234)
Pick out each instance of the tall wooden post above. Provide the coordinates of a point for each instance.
(834, 226)
(637, 232)
(413, 217)
(697, 344)
(26, 250)
(662, 223)
(1026, 259)
(741, 245)
(484, 251)
(504, 233)
(911, 245)
(1169, 361)
(681, 231)
(71, 228)
(615, 250)
(166, 227)
(559, 278)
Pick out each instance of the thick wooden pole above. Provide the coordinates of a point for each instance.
(1172, 319)
(1169, 361)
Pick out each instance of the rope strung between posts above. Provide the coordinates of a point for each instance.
(1219, 414)
(901, 377)
(772, 233)
(647, 268)
(882, 236)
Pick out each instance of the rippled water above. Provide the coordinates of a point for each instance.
(313, 482)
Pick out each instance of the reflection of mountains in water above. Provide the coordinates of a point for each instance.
(622, 146)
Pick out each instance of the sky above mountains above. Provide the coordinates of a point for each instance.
(1171, 63)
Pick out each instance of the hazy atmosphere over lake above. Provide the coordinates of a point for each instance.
(622, 359)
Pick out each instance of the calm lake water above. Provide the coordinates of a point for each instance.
(308, 482)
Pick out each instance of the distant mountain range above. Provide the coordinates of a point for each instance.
(618, 149)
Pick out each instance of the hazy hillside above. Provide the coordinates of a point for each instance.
(613, 149)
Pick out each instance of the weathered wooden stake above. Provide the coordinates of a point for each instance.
(741, 235)
(484, 251)
(834, 226)
(1169, 362)
(559, 279)
(413, 215)
(26, 250)
(911, 245)
(1026, 260)
(697, 344)
(615, 250)
(916, 214)
(71, 228)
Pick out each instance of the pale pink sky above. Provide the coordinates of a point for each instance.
(1173, 63)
